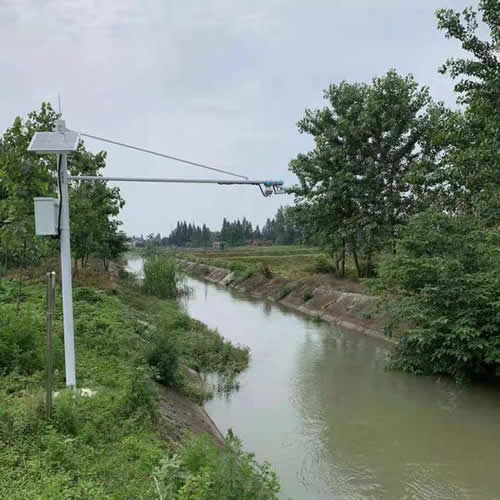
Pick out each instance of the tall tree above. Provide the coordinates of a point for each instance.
(475, 145)
(23, 176)
(355, 184)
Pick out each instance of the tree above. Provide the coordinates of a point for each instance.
(474, 145)
(355, 184)
(23, 176)
(444, 280)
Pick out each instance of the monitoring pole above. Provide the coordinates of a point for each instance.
(63, 142)
(60, 142)
(66, 278)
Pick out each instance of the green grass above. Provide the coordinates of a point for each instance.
(109, 445)
(289, 261)
(163, 277)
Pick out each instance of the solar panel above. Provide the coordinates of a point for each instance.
(54, 142)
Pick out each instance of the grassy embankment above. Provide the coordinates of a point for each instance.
(293, 262)
(114, 444)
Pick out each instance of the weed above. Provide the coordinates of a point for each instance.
(202, 471)
(265, 269)
(285, 290)
(163, 277)
(323, 264)
(20, 341)
(317, 318)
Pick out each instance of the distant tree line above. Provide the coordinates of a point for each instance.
(282, 229)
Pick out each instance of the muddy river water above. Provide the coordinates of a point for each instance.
(319, 405)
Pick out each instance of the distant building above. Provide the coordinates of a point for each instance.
(218, 245)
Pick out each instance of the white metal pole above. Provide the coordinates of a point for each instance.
(67, 287)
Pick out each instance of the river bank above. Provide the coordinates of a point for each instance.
(349, 310)
(112, 440)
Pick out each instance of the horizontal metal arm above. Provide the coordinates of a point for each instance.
(267, 183)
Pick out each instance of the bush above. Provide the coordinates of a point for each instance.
(444, 283)
(164, 355)
(84, 294)
(163, 277)
(285, 290)
(8, 290)
(237, 267)
(21, 341)
(308, 295)
(202, 471)
(323, 264)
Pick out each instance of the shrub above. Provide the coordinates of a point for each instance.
(202, 471)
(163, 277)
(237, 267)
(285, 290)
(164, 355)
(8, 290)
(139, 395)
(444, 283)
(308, 295)
(84, 294)
(323, 264)
(21, 341)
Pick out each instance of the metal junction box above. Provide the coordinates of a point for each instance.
(46, 216)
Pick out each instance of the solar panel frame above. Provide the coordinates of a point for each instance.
(54, 142)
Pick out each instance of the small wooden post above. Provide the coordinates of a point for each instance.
(51, 303)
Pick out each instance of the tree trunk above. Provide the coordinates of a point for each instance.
(19, 292)
(342, 269)
(370, 271)
(21, 275)
(356, 262)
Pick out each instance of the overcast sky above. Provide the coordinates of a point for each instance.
(217, 81)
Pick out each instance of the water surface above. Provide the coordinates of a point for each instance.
(319, 405)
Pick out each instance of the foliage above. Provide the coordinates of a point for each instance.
(24, 175)
(471, 161)
(354, 188)
(200, 348)
(21, 341)
(94, 208)
(282, 229)
(444, 284)
(323, 264)
(105, 446)
(308, 295)
(163, 277)
(285, 290)
(164, 356)
(205, 472)
(186, 234)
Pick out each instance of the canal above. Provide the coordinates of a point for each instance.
(319, 405)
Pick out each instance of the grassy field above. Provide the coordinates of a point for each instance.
(289, 261)
(114, 444)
